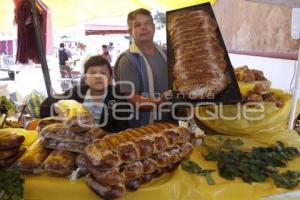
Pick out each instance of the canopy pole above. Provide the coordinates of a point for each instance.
(40, 47)
(295, 94)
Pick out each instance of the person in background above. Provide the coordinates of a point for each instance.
(112, 52)
(145, 65)
(97, 95)
(84, 55)
(64, 55)
(105, 53)
(110, 46)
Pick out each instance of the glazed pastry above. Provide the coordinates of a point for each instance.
(199, 66)
(126, 160)
(32, 158)
(106, 192)
(59, 162)
(135, 144)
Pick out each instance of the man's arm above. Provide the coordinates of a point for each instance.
(144, 103)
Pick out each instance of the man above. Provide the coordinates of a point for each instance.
(144, 64)
(64, 55)
(105, 53)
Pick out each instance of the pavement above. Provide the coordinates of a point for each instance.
(29, 78)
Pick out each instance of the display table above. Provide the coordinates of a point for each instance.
(179, 185)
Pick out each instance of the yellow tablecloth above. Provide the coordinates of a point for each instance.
(178, 185)
(171, 186)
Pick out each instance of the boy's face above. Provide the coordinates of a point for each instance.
(142, 28)
(98, 77)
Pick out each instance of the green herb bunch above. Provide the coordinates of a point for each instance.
(256, 165)
(11, 185)
(194, 168)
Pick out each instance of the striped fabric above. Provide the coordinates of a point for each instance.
(33, 102)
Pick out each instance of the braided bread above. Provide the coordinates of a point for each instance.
(135, 144)
(124, 161)
(199, 65)
(108, 192)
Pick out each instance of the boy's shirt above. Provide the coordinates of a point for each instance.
(95, 109)
(110, 124)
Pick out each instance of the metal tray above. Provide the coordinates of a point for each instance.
(232, 93)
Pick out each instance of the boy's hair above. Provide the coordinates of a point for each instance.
(97, 61)
(61, 45)
(140, 11)
(104, 46)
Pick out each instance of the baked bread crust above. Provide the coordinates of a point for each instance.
(200, 68)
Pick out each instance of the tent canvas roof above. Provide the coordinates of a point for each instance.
(72, 12)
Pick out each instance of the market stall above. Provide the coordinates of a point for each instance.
(240, 150)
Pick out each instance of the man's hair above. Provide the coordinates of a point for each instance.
(62, 45)
(97, 61)
(140, 11)
(104, 46)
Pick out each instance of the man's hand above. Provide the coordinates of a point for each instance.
(137, 99)
(166, 96)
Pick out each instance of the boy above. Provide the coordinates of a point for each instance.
(97, 95)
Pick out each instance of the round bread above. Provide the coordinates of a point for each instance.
(9, 140)
(9, 161)
(47, 121)
(7, 153)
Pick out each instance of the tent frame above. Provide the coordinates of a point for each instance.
(41, 50)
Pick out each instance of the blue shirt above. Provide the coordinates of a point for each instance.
(95, 108)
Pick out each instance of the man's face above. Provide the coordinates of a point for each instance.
(98, 78)
(142, 28)
(104, 50)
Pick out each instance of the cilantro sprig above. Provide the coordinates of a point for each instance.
(11, 184)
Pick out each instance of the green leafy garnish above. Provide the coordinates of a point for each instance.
(194, 168)
(256, 165)
(11, 185)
